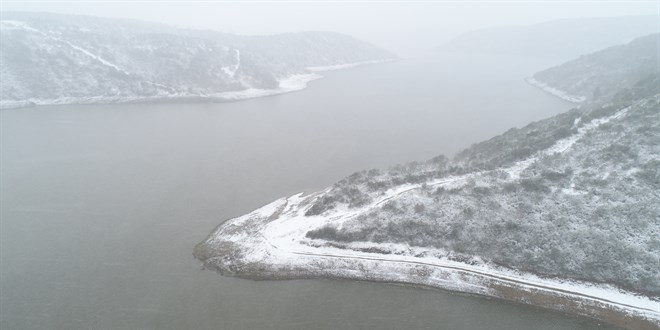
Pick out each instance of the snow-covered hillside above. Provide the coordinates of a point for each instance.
(560, 40)
(563, 213)
(602, 74)
(56, 59)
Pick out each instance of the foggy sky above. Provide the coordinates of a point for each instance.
(405, 28)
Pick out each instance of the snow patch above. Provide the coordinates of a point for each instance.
(289, 84)
(554, 91)
(16, 25)
(22, 25)
(231, 70)
(94, 56)
(345, 65)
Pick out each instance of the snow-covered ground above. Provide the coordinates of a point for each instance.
(101, 66)
(291, 83)
(345, 65)
(270, 242)
(554, 91)
(288, 84)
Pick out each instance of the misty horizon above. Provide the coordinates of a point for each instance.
(407, 29)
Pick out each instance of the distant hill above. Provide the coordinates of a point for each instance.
(52, 58)
(602, 74)
(561, 39)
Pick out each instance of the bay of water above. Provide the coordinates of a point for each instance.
(101, 205)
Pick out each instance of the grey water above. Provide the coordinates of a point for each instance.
(101, 205)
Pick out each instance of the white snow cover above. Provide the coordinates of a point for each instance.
(94, 56)
(554, 91)
(231, 70)
(291, 83)
(345, 65)
(274, 237)
(25, 26)
(15, 25)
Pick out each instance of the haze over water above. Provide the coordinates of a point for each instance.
(102, 205)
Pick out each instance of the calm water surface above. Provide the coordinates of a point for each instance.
(102, 205)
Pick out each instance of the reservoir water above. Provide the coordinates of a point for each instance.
(101, 205)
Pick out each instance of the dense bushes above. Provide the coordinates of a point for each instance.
(518, 144)
(590, 212)
(359, 188)
(350, 195)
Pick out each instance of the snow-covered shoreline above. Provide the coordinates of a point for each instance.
(346, 65)
(291, 83)
(204, 69)
(554, 91)
(271, 243)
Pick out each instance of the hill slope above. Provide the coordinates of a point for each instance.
(563, 213)
(604, 73)
(561, 39)
(49, 58)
